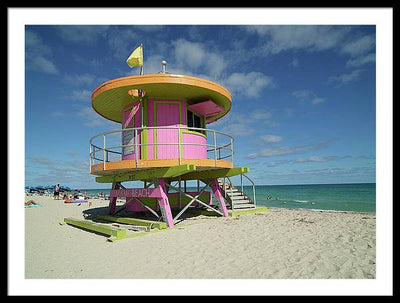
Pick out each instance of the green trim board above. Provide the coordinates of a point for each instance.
(144, 138)
(134, 221)
(135, 235)
(214, 173)
(185, 131)
(96, 227)
(148, 174)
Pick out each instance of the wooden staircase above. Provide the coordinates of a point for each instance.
(234, 196)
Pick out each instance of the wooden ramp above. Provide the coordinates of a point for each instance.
(126, 227)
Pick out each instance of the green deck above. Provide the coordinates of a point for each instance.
(174, 173)
(134, 221)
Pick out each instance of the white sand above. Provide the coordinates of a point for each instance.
(279, 243)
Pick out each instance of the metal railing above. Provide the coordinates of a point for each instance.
(108, 146)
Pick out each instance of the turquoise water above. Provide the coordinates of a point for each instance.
(359, 197)
(341, 197)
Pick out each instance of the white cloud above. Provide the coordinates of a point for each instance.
(345, 78)
(295, 62)
(82, 95)
(82, 79)
(315, 159)
(248, 84)
(270, 138)
(37, 54)
(197, 57)
(359, 46)
(285, 150)
(123, 42)
(237, 124)
(308, 97)
(361, 60)
(91, 117)
(308, 37)
(82, 33)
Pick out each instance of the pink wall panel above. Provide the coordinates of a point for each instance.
(194, 151)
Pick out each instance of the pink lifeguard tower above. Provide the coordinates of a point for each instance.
(163, 142)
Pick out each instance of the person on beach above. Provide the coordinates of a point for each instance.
(56, 192)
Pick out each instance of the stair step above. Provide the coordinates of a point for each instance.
(241, 201)
(239, 198)
(244, 206)
(236, 193)
(233, 190)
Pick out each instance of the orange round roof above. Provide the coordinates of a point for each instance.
(109, 98)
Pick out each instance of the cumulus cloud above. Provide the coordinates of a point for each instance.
(315, 159)
(82, 33)
(37, 54)
(81, 95)
(197, 57)
(238, 124)
(81, 79)
(361, 60)
(270, 138)
(308, 97)
(285, 150)
(359, 46)
(92, 119)
(345, 78)
(279, 38)
(248, 84)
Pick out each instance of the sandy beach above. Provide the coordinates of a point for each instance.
(273, 244)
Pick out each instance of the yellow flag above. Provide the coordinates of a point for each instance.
(136, 58)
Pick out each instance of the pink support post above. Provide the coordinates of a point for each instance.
(164, 204)
(113, 200)
(218, 196)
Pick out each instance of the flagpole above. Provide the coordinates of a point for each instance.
(141, 68)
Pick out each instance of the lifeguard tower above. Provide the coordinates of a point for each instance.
(163, 142)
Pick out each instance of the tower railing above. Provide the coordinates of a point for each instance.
(108, 146)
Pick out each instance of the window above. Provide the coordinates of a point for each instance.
(194, 120)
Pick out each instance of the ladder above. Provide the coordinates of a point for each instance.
(236, 198)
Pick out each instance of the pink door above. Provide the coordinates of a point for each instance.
(131, 118)
(167, 140)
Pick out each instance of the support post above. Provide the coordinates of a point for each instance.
(113, 200)
(219, 197)
(164, 204)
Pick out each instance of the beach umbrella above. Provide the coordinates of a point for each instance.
(65, 188)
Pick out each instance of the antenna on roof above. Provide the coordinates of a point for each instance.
(163, 66)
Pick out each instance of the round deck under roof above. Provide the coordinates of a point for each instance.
(109, 98)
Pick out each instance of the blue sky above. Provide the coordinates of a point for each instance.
(304, 96)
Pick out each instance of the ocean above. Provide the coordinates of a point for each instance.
(360, 197)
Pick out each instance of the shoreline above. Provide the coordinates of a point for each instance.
(325, 210)
(279, 243)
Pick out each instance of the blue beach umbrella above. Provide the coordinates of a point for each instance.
(65, 188)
